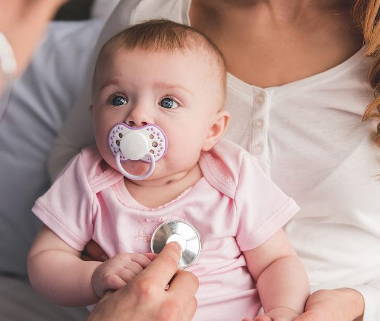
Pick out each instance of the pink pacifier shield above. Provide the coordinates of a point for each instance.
(155, 138)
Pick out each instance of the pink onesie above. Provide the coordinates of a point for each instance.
(234, 206)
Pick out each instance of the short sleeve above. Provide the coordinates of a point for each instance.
(68, 207)
(261, 206)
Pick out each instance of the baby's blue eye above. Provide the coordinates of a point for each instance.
(168, 103)
(119, 100)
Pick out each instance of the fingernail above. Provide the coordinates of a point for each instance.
(175, 238)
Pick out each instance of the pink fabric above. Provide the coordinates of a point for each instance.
(235, 207)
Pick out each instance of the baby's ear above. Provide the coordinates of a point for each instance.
(217, 129)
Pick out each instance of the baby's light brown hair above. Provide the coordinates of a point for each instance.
(166, 35)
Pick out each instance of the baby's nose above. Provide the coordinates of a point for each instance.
(133, 123)
(139, 116)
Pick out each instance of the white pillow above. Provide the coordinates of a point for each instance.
(38, 104)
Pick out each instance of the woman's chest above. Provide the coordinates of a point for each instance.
(309, 131)
(266, 50)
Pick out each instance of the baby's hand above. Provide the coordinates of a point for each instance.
(277, 314)
(117, 271)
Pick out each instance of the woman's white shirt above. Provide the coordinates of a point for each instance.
(309, 136)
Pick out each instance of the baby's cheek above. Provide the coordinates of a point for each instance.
(105, 152)
(183, 158)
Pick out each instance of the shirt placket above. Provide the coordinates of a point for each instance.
(261, 100)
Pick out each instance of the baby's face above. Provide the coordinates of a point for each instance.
(178, 91)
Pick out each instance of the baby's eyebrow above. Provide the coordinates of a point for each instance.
(166, 85)
(113, 82)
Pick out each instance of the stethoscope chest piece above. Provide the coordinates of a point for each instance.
(181, 232)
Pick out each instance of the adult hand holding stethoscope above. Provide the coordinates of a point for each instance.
(147, 296)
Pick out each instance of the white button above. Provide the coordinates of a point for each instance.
(259, 123)
(259, 99)
(258, 149)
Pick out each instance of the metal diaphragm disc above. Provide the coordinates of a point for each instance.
(181, 232)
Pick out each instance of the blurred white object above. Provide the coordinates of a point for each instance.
(103, 8)
(8, 64)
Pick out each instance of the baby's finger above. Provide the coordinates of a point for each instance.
(134, 267)
(113, 282)
(150, 256)
(141, 259)
(126, 274)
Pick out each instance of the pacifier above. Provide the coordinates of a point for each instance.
(147, 143)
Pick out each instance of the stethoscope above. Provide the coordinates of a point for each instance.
(149, 144)
(182, 233)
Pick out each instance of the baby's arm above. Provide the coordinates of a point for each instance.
(280, 277)
(56, 270)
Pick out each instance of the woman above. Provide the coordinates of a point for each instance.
(297, 91)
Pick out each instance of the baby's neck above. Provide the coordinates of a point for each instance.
(155, 193)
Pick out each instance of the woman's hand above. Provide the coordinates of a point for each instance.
(278, 314)
(147, 298)
(23, 23)
(333, 305)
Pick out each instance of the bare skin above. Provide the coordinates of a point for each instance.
(283, 41)
(23, 23)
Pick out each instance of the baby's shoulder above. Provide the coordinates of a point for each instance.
(89, 161)
(88, 166)
(224, 165)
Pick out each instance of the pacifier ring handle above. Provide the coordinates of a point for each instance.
(149, 172)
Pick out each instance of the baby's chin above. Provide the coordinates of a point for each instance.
(139, 168)
(136, 167)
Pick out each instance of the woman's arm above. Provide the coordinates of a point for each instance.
(23, 22)
(280, 277)
(56, 270)
(344, 304)
(334, 305)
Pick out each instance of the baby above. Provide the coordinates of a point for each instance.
(158, 96)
